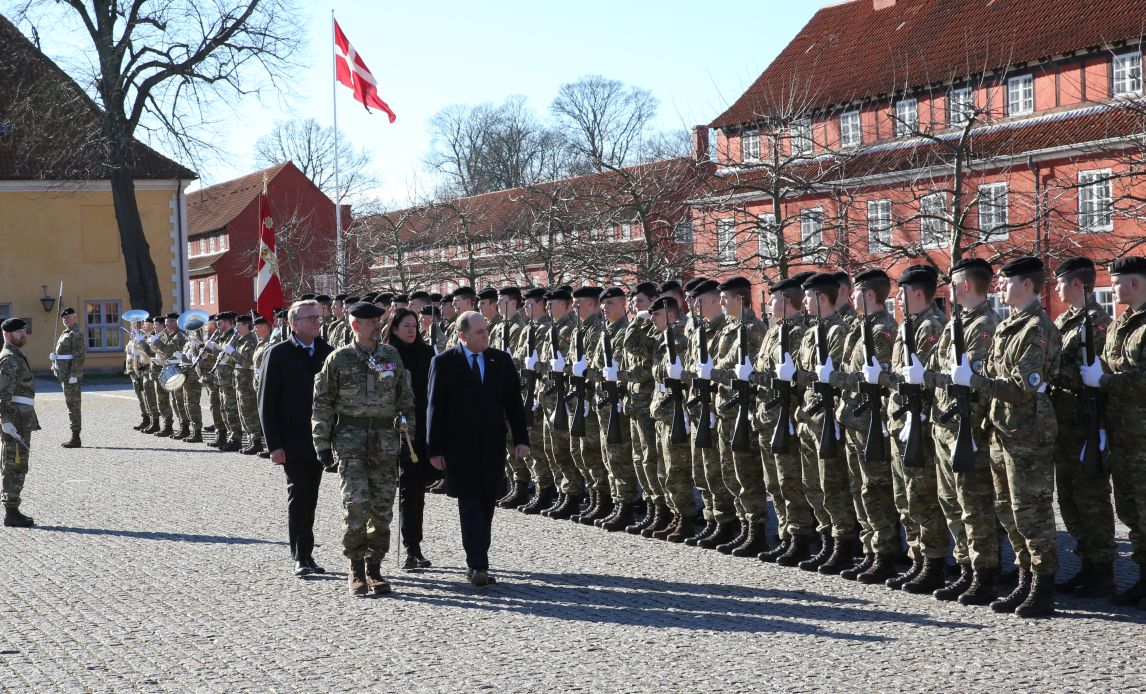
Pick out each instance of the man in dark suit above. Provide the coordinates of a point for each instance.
(474, 389)
(286, 398)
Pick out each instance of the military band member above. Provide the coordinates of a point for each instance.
(68, 366)
(245, 393)
(205, 368)
(17, 420)
(163, 347)
(543, 467)
(190, 394)
(134, 357)
(229, 438)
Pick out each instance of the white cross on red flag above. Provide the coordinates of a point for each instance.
(268, 289)
(352, 72)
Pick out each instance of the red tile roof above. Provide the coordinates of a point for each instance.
(850, 51)
(49, 128)
(214, 207)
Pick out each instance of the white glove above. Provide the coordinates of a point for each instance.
(1091, 373)
(675, 370)
(872, 371)
(913, 374)
(961, 374)
(211, 345)
(704, 371)
(786, 370)
(531, 361)
(73, 379)
(229, 349)
(558, 363)
(905, 432)
(744, 371)
(610, 372)
(10, 429)
(1101, 445)
(52, 356)
(136, 335)
(711, 420)
(580, 367)
(153, 339)
(644, 315)
(824, 371)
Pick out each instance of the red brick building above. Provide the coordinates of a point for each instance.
(895, 132)
(223, 238)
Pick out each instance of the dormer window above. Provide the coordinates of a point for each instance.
(906, 116)
(1127, 73)
(851, 133)
(750, 146)
(960, 106)
(1020, 95)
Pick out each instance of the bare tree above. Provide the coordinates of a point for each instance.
(311, 147)
(604, 121)
(159, 66)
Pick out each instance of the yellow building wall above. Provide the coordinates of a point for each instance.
(63, 233)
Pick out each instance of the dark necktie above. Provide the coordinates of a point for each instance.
(476, 368)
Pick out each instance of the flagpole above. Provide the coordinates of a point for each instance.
(339, 271)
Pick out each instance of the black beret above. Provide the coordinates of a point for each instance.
(420, 295)
(784, 285)
(566, 287)
(172, 316)
(488, 294)
(307, 297)
(340, 297)
(352, 299)
(821, 280)
(149, 319)
(384, 297)
(243, 318)
(649, 289)
(704, 287)
(841, 277)
(691, 284)
(370, 296)
(511, 292)
(465, 291)
(664, 302)
(671, 286)
(971, 263)
(213, 316)
(734, 283)
(919, 274)
(869, 275)
(537, 293)
(1026, 265)
(69, 311)
(435, 297)
(559, 294)
(428, 310)
(261, 321)
(13, 324)
(612, 293)
(801, 277)
(401, 299)
(323, 298)
(227, 315)
(365, 310)
(1073, 264)
(587, 292)
(1130, 265)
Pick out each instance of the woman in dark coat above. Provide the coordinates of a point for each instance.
(402, 333)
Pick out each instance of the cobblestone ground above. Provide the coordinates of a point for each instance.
(159, 565)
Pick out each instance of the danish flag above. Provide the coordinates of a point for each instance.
(352, 72)
(268, 289)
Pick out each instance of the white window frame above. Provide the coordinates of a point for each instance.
(851, 129)
(906, 116)
(682, 233)
(879, 226)
(193, 293)
(726, 241)
(933, 220)
(211, 287)
(811, 229)
(1105, 298)
(103, 335)
(1021, 95)
(994, 211)
(996, 301)
(801, 137)
(1126, 73)
(750, 146)
(767, 245)
(960, 106)
(211, 244)
(1095, 201)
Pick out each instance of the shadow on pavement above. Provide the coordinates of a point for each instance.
(169, 537)
(152, 448)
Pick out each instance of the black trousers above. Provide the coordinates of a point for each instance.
(302, 498)
(476, 513)
(412, 500)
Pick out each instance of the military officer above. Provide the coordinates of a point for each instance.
(17, 420)
(68, 365)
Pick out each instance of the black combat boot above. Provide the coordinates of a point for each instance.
(542, 499)
(827, 546)
(881, 569)
(196, 436)
(557, 502)
(854, 572)
(1040, 598)
(438, 487)
(603, 509)
(166, 431)
(982, 590)
(930, 579)
(724, 532)
(842, 557)
(374, 580)
(152, 427)
(608, 518)
(14, 519)
(1099, 584)
(896, 582)
(671, 522)
(741, 536)
(662, 517)
(143, 424)
(591, 499)
(255, 446)
(184, 431)
(220, 439)
(685, 528)
(710, 527)
(566, 510)
(646, 520)
(356, 578)
(517, 496)
(777, 551)
(210, 429)
(1135, 593)
(621, 519)
(1068, 586)
(755, 542)
(799, 550)
(231, 447)
(955, 588)
(1017, 596)
(73, 442)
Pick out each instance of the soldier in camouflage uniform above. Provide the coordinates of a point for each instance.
(638, 346)
(163, 347)
(504, 333)
(263, 334)
(133, 367)
(205, 369)
(227, 439)
(1083, 494)
(875, 505)
(588, 450)
(1027, 350)
(17, 419)
(248, 400)
(190, 395)
(675, 457)
(361, 397)
(543, 467)
(1125, 357)
(463, 299)
(147, 376)
(68, 365)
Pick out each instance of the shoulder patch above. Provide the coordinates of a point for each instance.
(1035, 379)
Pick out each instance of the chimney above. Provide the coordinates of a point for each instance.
(882, 4)
(700, 143)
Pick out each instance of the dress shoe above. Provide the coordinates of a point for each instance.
(14, 519)
(314, 567)
(73, 442)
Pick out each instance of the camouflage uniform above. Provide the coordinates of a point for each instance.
(676, 461)
(208, 378)
(503, 335)
(543, 467)
(17, 392)
(588, 450)
(966, 498)
(133, 367)
(225, 378)
(153, 345)
(248, 397)
(191, 394)
(1027, 349)
(638, 347)
(1083, 496)
(719, 503)
(618, 458)
(558, 446)
(69, 369)
(355, 404)
(147, 376)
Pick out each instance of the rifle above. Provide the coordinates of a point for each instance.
(577, 425)
(678, 434)
(780, 441)
(530, 375)
(703, 387)
(912, 455)
(742, 430)
(827, 447)
(560, 419)
(1093, 405)
(56, 324)
(875, 449)
(962, 455)
(615, 426)
(434, 333)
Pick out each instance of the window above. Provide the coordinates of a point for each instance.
(1020, 95)
(750, 146)
(851, 132)
(211, 289)
(878, 225)
(960, 106)
(906, 116)
(102, 325)
(1127, 73)
(993, 212)
(997, 303)
(769, 245)
(933, 220)
(5, 311)
(682, 233)
(801, 137)
(811, 229)
(1095, 201)
(211, 244)
(1105, 298)
(192, 297)
(726, 241)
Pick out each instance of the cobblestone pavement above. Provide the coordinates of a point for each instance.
(159, 565)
